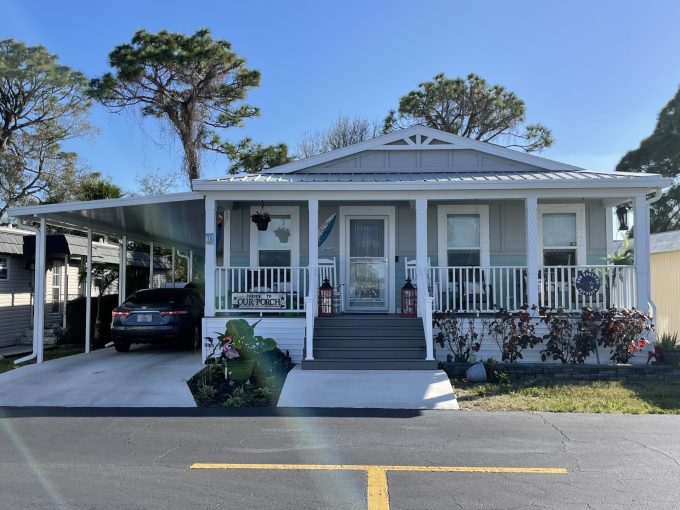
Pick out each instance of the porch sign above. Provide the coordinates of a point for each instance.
(588, 283)
(259, 300)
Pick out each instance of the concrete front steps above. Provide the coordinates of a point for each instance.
(368, 342)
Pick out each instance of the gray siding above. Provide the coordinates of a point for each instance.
(446, 160)
(15, 301)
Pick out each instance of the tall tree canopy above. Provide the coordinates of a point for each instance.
(42, 104)
(195, 83)
(343, 132)
(251, 157)
(81, 185)
(472, 108)
(660, 154)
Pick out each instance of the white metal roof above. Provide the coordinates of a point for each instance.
(434, 180)
(175, 219)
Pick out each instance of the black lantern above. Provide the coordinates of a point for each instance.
(622, 215)
(409, 299)
(326, 299)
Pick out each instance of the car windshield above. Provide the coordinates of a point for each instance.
(169, 296)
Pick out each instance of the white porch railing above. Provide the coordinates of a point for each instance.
(291, 281)
(477, 289)
(617, 289)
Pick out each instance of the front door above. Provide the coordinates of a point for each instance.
(368, 263)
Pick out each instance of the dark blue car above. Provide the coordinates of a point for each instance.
(158, 316)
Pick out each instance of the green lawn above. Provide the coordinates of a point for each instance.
(57, 352)
(571, 397)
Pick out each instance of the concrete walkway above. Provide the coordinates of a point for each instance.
(147, 376)
(385, 389)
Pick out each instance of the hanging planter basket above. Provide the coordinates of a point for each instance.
(261, 219)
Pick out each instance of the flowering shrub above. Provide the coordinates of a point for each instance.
(514, 332)
(624, 332)
(460, 335)
(570, 339)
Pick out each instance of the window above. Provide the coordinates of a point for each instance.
(278, 246)
(56, 287)
(4, 268)
(463, 235)
(562, 235)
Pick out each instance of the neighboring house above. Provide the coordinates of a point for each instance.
(65, 261)
(476, 226)
(665, 265)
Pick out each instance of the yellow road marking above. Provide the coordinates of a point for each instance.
(376, 489)
(376, 476)
(360, 467)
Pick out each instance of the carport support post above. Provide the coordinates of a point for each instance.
(173, 267)
(122, 272)
(531, 210)
(210, 257)
(88, 292)
(151, 265)
(65, 284)
(39, 288)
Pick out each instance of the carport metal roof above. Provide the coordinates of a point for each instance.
(176, 219)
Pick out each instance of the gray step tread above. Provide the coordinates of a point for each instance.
(369, 364)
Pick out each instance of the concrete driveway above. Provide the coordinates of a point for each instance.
(147, 376)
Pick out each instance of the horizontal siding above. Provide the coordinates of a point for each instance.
(15, 302)
(489, 349)
(288, 332)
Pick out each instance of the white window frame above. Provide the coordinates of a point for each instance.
(580, 211)
(443, 211)
(8, 262)
(276, 210)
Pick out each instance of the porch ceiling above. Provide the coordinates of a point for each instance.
(172, 220)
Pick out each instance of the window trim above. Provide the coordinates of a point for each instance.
(443, 212)
(9, 265)
(276, 210)
(580, 211)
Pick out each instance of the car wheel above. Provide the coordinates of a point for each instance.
(121, 347)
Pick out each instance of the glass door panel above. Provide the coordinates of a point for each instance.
(367, 265)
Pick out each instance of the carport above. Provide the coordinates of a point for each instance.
(174, 221)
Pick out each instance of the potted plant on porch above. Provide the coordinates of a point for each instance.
(240, 349)
(261, 218)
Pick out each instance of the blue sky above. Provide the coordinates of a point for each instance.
(595, 72)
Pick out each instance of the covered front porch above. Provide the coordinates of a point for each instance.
(470, 256)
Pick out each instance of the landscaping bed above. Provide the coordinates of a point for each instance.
(210, 388)
(570, 397)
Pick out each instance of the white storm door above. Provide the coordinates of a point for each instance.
(368, 263)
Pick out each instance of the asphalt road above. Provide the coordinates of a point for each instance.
(140, 459)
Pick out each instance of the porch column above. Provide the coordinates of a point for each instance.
(533, 264)
(191, 264)
(210, 257)
(151, 265)
(122, 272)
(88, 292)
(421, 253)
(313, 251)
(641, 247)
